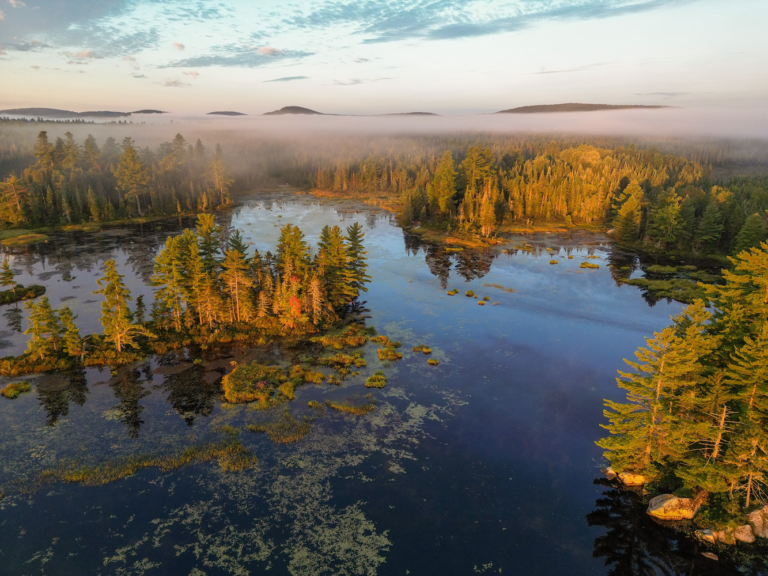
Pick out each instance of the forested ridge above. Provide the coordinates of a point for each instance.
(72, 182)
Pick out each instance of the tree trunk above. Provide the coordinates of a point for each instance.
(138, 205)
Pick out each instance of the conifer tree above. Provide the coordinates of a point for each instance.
(116, 317)
(209, 239)
(169, 278)
(44, 327)
(132, 176)
(710, 228)
(292, 250)
(43, 150)
(358, 263)
(7, 277)
(750, 235)
(72, 343)
(238, 283)
(444, 184)
(141, 310)
(628, 216)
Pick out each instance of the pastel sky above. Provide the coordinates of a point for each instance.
(370, 56)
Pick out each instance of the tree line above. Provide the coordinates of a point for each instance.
(695, 419)
(208, 290)
(75, 183)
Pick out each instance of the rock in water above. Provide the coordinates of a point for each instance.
(609, 473)
(669, 507)
(629, 479)
(710, 556)
(759, 521)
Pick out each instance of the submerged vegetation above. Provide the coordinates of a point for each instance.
(355, 408)
(285, 429)
(15, 389)
(694, 422)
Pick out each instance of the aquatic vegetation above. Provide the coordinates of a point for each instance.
(662, 270)
(679, 289)
(433, 362)
(253, 383)
(15, 389)
(481, 303)
(386, 342)
(422, 348)
(593, 257)
(469, 293)
(342, 362)
(486, 298)
(377, 380)
(333, 379)
(570, 256)
(20, 292)
(229, 453)
(589, 265)
(500, 287)
(354, 408)
(305, 375)
(24, 239)
(554, 262)
(354, 336)
(285, 429)
(495, 303)
(389, 353)
(452, 292)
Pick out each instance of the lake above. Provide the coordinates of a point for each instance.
(483, 464)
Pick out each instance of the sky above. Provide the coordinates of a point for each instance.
(369, 56)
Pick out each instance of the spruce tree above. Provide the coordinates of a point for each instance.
(44, 327)
(710, 228)
(132, 176)
(72, 343)
(238, 284)
(357, 261)
(7, 277)
(627, 223)
(750, 235)
(209, 239)
(169, 278)
(116, 317)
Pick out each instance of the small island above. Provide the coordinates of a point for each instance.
(575, 107)
(227, 113)
(56, 113)
(149, 112)
(293, 110)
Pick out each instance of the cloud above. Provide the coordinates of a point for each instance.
(172, 83)
(35, 67)
(361, 60)
(17, 3)
(665, 95)
(236, 55)
(448, 19)
(193, 74)
(86, 54)
(355, 81)
(138, 76)
(179, 46)
(29, 46)
(2, 15)
(269, 51)
(288, 79)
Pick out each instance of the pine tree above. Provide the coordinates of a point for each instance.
(72, 343)
(43, 151)
(358, 264)
(7, 277)
(132, 176)
(44, 327)
(665, 223)
(238, 283)
(237, 242)
(628, 216)
(169, 278)
(710, 228)
(444, 185)
(141, 310)
(116, 317)
(292, 250)
(750, 235)
(209, 239)
(93, 206)
(333, 266)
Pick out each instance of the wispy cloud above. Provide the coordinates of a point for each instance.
(269, 51)
(665, 95)
(17, 3)
(193, 74)
(288, 79)
(179, 46)
(2, 15)
(237, 55)
(174, 83)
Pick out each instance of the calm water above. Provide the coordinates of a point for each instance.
(484, 464)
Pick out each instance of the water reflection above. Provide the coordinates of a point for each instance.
(192, 393)
(55, 393)
(129, 390)
(635, 545)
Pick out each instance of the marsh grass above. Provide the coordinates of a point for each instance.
(589, 265)
(285, 429)
(255, 383)
(377, 380)
(481, 303)
(229, 453)
(469, 294)
(390, 353)
(354, 408)
(15, 389)
(353, 336)
(422, 348)
(343, 363)
(305, 374)
(24, 239)
(433, 362)
(554, 262)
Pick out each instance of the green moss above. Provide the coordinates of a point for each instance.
(285, 430)
(378, 380)
(15, 389)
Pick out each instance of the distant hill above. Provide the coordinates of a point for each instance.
(149, 112)
(293, 110)
(55, 113)
(573, 107)
(229, 113)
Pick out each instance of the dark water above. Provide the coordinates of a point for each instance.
(483, 464)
